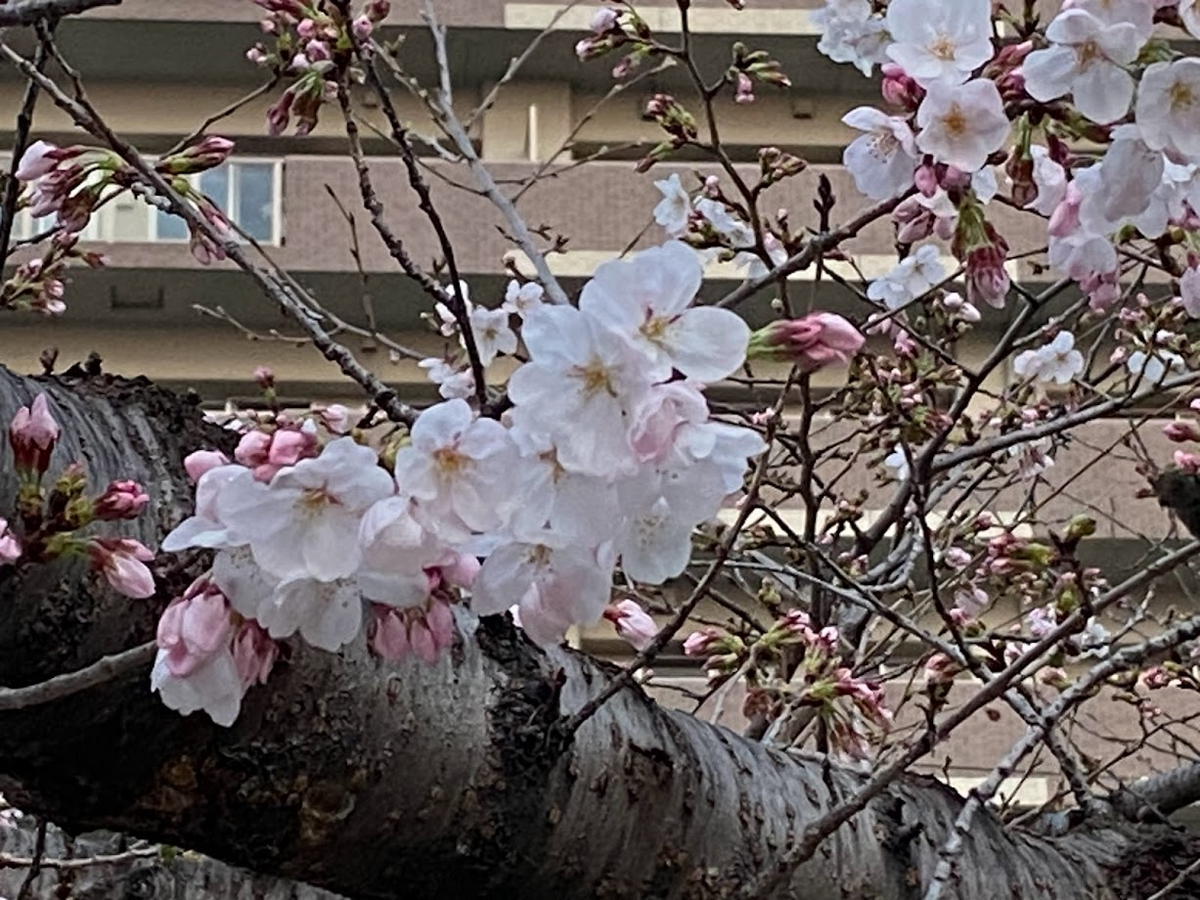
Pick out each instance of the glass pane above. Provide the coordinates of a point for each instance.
(171, 227)
(256, 200)
(215, 183)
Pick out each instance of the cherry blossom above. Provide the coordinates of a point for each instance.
(492, 333)
(1087, 59)
(647, 301)
(632, 623)
(851, 33)
(554, 588)
(909, 279)
(453, 383)
(1051, 180)
(122, 562)
(1153, 367)
(523, 299)
(327, 614)
(579, 371)
(674, 211)
(1168, 106)
(305, 524)
(458, 465)
(215, 687)
(962, 125)
(1058, 361)
(937, 42)
(662, 509)
(1189, 291)
(883, 159)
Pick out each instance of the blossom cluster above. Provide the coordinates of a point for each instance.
(959, 100)
(608, 454)
(306, 41)
(69, 183)
(50, 524)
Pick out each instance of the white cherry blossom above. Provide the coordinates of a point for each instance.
(882, 160)
(554, 587)
(851, 33)
(1153, 367)
(492, 333)
(910, 278)
(1168, 106)
(305, 525)
(1050, 178)
(452, 383)
(674, 210)
(327, 614)
(1087, 59)
(1189, 291)
(579, 372)
(647, 301)
(940, 42)
(523, 299)
(662, 508)
(458, 466)
(1058, 361)
(215, 687)
(962, 125)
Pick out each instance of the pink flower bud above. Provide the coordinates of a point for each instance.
(744, 90)
(253, 448)
(362, 28)
(254, 653)
(1182, 430)
(121, 500)
(388, 633)
(199, 462)
(290, 445)
(194, 628)
(815, 341)
(10, 547)
(926, 181)
(32, 435)
(336, 418)
(632, 623)
(699, 642)
(264, 377)
(122, 562)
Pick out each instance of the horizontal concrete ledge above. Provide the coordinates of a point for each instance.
(665, 19)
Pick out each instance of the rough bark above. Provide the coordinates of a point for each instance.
(455, 780)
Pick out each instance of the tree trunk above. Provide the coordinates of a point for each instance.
(454, 780)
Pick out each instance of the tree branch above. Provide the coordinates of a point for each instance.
(26, 12)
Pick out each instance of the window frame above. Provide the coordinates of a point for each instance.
(276, 239)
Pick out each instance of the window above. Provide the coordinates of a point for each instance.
(248, 191)
(249, 194)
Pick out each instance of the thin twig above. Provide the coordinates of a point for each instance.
(454, 128)
(83, 862)
(222, 114)
(26, 12)
(12, 187)
(35, 864)
(105, 669)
